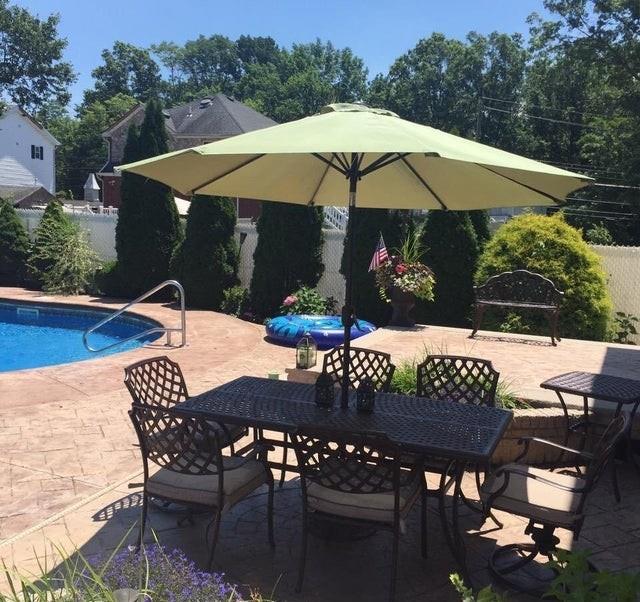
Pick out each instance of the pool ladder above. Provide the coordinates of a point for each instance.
(183, 321)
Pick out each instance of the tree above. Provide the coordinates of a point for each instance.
(367, 226)
(127, 70)
(48, 240)
(549, 246)
(288, 254)
(14, 246)
(32, 71)
(82, 149)
(148, 227)
(206, 261)
(452, 253)
(480, 221)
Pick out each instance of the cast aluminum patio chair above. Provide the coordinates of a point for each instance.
(357, 480)
(365, 363)
(458, 379)
(199, 478)
(159, 381)
(549, 500)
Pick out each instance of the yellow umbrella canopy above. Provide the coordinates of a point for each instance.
(400, 165)
(380, 160)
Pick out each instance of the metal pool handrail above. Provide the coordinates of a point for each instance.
(155, 289)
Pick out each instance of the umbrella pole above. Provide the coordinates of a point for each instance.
(348, 314)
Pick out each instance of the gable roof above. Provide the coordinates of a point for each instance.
(218, 116)
(25, 196)
(33, 122)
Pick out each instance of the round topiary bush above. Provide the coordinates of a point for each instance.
(549, 246)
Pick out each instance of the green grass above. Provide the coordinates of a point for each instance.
(405, 380)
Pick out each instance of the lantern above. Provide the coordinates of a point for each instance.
(306, 352)
(365, 396)
(325, 390)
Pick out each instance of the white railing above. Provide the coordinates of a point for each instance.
(336, 217)
(140, 335)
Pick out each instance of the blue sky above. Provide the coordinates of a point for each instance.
(377, 30)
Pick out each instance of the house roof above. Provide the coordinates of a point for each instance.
(25, 196)
(218, 116)
(13, 108)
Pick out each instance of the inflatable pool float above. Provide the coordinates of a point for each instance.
(327, 331)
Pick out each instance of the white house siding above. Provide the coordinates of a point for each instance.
(17, 168)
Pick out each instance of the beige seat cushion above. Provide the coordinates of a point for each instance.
(203, 489)
(533, 499)
(376, 507)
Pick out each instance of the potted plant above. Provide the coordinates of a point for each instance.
(404, 278)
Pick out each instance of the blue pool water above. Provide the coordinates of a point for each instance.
(32, 336)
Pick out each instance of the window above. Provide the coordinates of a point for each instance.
(37, 152)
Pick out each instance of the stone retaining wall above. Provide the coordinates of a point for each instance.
(545, 422)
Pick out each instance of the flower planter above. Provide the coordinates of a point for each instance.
(402, 304)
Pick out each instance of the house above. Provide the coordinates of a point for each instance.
(27, 158)
(192, 124)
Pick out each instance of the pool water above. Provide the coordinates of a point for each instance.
(32, 336)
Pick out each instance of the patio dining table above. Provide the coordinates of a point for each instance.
(462, 434)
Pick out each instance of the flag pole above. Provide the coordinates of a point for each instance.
(348, 313)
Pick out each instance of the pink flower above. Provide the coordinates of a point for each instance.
(290, 300)
(401, 268)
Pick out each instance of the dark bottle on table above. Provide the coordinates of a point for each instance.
(325, 390)
(365, 396)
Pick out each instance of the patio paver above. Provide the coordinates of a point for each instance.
(66, 456)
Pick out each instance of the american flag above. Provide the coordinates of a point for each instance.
(380, 255)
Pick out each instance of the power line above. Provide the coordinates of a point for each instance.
(547, 108)
(549, 119)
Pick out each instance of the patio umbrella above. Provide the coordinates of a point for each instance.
(352, 155)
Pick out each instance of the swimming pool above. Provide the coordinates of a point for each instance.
(32, 336)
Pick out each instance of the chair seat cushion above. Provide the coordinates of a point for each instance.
(232, 434)
(203, 489)
(376, 507)
(534, 499)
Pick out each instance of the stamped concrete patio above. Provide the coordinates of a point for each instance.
(67, 456)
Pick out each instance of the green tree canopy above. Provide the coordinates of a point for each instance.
(127, 70)
(32, 71)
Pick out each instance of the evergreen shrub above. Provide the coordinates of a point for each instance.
(14, 246)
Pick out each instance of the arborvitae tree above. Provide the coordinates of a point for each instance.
(480, 222)
(14, 246)
(368, 224)
(288, 254)
(206, 261)
(49, 238)
(148, 228)
(452, 253)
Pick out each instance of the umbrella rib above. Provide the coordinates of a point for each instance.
(315, 192)
(330, 163)
(226, 173)
(383, 161)
(424, 183)
(497, 173)
(341, 161)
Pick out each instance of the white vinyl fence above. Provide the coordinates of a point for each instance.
(622, 264)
